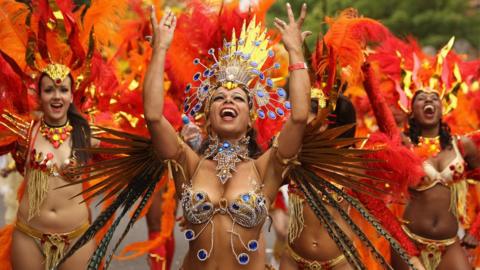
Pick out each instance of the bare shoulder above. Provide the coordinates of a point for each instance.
(468, 145)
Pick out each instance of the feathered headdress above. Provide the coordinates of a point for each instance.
(244, 62)
(50, 37)
(413, 71)
(337, 58)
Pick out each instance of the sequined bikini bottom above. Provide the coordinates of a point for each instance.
(431, 251)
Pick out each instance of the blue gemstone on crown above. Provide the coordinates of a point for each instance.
(271, 53)
(288, 106)
(226, 145)
(197, 107)
(192, 113)
(235, 206)
(276, 66)
(189, 235)
(281, 92)
(280, 112)
(196, 61)
(262, 76)
(197, 75)
(246, 56)
(186, 107)
(246, 197)
(260, 93)
(206, 207)
(206, 72)
(188, 88)
(254, 64)
(253, 245)
(256, 72)
(243, 258)
(257, 43)
(202, 255)
(261, 114)
(270, 82)
(272, 115)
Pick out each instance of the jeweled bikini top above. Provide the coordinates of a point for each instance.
(248, 210)
(451, 174)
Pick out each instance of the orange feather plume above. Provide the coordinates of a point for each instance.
(348, 36)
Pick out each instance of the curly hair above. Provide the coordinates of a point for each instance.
(415, 131)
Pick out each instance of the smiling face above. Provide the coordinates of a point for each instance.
(229, 113)
(55, 99)
(427, 109)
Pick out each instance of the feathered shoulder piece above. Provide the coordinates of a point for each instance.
(327, 163)
(15, 134)
(129, 175)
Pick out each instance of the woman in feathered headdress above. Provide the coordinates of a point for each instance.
(225, 216)
(58, 64)
(427, 89)
(337, 62)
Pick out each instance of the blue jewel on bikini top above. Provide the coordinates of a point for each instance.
(248, 210)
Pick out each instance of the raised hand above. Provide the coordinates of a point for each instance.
(163, 30)
(292, 35)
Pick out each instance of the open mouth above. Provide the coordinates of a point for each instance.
(429, 110)
(56, 106)
(228, 114)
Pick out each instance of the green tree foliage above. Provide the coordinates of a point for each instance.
(432, 22)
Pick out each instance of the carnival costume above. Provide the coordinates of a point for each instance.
(333, 54)
(244, 61)
(49, 36)
(445, 75)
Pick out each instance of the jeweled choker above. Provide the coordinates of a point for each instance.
(227, 155)
(56, 135)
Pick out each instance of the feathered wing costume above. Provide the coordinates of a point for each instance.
(335, 53)
(132, 173)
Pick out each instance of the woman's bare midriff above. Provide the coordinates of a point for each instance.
(59, 212)
(314, 243)
(428, 213)
(222, 256)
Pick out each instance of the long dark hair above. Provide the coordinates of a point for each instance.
(415, 131)
(344, 114)
(81, 133)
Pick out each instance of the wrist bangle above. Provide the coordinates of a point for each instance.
(297, 66)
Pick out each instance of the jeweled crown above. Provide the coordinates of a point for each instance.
(245, 62)
(57, 72)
